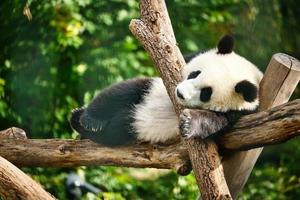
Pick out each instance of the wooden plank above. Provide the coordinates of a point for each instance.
(279, 82)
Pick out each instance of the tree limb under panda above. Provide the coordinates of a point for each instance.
(270, 127)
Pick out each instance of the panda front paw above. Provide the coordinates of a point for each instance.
(185, 124)
(190, 124)
(201, 123)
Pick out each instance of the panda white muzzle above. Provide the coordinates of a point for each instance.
(187, 94)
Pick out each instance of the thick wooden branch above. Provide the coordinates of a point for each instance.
(71, 153)
(155, 33)
(264, 128)
(15, 184)
(279, 82)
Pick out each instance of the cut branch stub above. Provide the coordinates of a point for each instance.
(13, 133)
(279, 82)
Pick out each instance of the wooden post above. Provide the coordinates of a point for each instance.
(15, 184)
(279, 82)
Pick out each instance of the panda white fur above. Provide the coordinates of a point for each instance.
(218, 80)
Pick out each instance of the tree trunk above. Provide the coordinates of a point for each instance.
(155, 33)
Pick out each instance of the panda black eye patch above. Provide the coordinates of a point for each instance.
(247, 89)
(193, 74)
(205, 94)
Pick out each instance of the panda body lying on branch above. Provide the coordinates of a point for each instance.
(218, 80)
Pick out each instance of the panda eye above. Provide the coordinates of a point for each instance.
(205, 94)
(193, 74)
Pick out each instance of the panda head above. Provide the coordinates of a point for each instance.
(220, 80)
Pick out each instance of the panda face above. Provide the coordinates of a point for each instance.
(219, 82)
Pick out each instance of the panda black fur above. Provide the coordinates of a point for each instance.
(140, 109)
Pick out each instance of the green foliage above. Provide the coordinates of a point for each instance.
(71, 49)
(270, 183)
(121, 183)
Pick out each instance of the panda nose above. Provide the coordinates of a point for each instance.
(179, 94)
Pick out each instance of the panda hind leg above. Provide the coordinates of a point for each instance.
(116, 131)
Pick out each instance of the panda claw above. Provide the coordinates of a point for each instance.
(200, 123)
(185, 122)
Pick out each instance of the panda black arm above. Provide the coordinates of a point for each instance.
(201, 123)
(204, 123)
(233, 116)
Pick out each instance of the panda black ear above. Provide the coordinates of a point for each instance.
(226, 45)
(247, 89)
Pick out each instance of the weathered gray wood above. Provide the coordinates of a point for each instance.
(264, 128)
(15, 184)
(71, 153)
(155, 33)
(282, 123)
(279, 82)
(13, 133)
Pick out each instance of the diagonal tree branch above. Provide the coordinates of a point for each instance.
(15, 184)
(155, 33)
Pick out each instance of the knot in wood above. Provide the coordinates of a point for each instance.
(62, 148)
(168, 48)
(184, 169)
(153, 15)
(143, 155)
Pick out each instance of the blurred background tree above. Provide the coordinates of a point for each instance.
(56, 55)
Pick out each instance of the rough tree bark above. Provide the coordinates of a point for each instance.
(155, 33)
(281, 123)
(273, 126)
(15, 184)
(279, 82)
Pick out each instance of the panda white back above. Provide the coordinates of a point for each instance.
(155, 118)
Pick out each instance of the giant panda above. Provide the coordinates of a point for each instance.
(218, 80)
